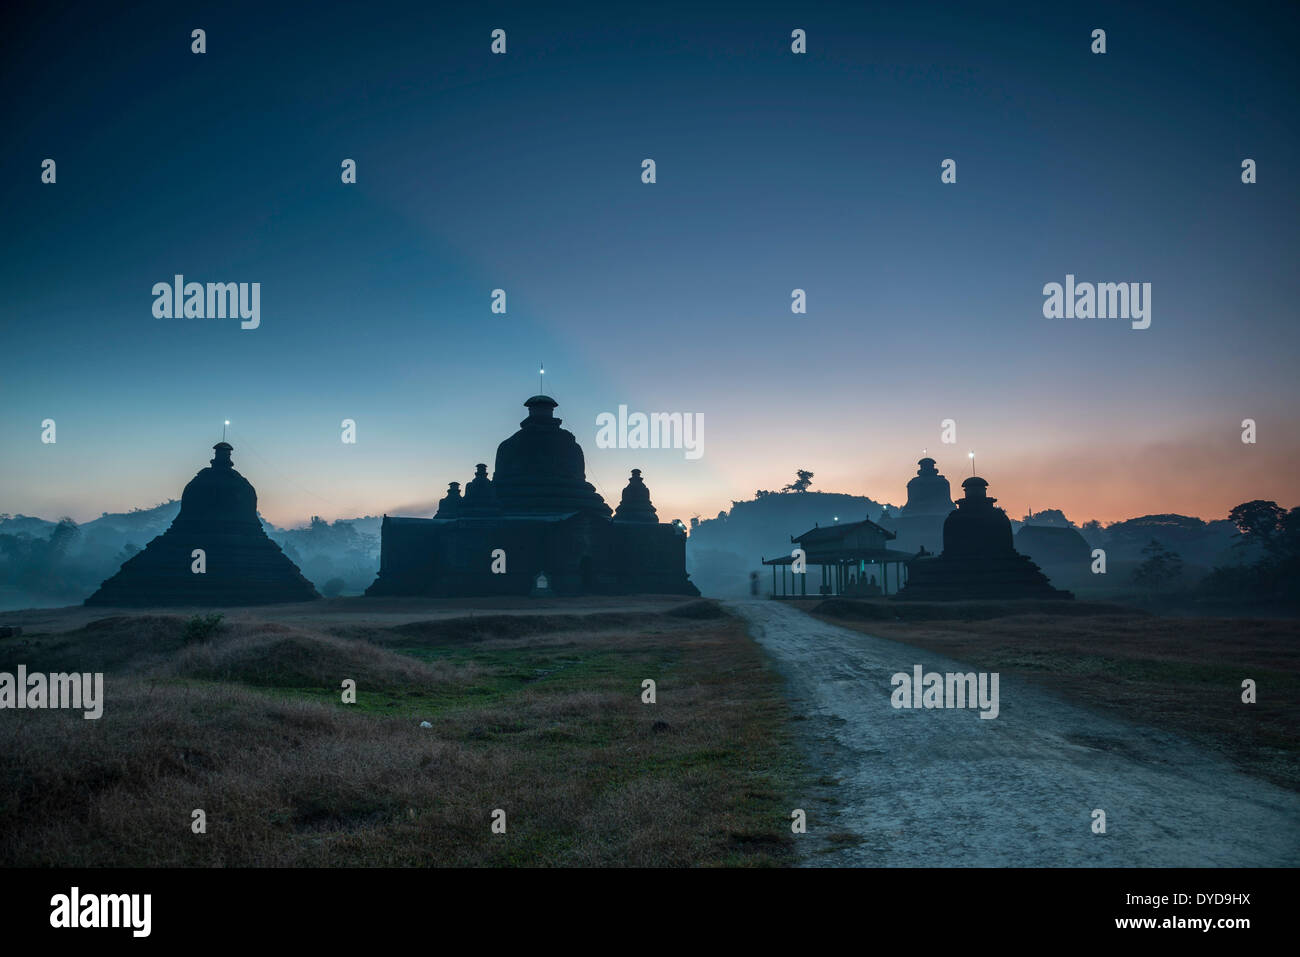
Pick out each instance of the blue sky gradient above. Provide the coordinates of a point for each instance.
(775, 171)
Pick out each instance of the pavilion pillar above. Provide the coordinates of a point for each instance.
(773, 579)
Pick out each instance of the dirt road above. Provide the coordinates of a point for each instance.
(945, 787)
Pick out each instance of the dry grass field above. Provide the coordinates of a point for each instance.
(536, 713)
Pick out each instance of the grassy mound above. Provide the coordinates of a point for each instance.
(119, 644)
(278, 656)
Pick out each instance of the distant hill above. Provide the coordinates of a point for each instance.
(25, 525)
(722, 552)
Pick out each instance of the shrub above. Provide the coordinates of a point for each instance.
(202, 627)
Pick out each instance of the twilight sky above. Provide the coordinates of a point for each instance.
(775, 171)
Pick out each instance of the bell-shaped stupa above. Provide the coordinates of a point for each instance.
(635, 505)
(976, 529)
(928, 493)
(919, 523)
(540, 469)
(979, 557)
(238, 564)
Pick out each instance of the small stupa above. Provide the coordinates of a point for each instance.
(240, 565)
(480, 497)
(979, 558)
(635, 505)
(449, 507)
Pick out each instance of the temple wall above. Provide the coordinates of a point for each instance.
(581, 555)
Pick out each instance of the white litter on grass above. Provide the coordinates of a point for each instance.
(425, 724)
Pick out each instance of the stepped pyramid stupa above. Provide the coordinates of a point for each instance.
(243, 566)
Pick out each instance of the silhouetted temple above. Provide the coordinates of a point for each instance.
(537, 526)
(242, 566)
(919, 523)
(928, 492)
(979, 558)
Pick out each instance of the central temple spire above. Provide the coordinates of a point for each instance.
(540, 411)
(541, 467)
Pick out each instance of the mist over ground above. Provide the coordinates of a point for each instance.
(51, 563)
(1174, 562)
